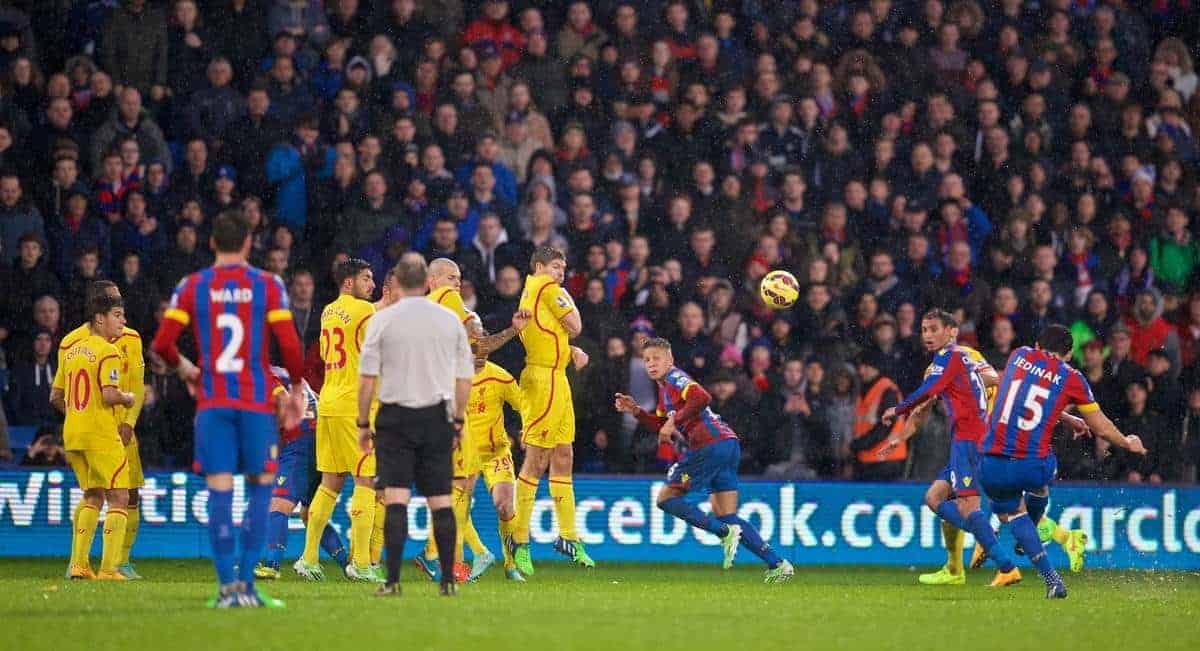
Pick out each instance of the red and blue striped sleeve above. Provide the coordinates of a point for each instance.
(947, 364)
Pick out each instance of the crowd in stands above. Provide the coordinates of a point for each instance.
(1016, 162)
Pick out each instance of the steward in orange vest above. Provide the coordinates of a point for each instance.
(870, 434)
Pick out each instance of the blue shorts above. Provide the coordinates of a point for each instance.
(297, 467)
(236, 441)
(712, 468)
(1006, 480)
(962, 470)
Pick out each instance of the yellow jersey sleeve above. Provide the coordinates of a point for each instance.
(556, 300)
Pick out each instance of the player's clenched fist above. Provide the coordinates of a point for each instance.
(625, 404)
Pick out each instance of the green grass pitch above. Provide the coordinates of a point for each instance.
(617, 607)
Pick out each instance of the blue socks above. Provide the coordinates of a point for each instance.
(254, 531)
(331, 542)
(752, 541)
(981, 528)
(948, 511)
(1025, 531)
(691, 514)
(277, 532)
(1036, 505)
(220, 533)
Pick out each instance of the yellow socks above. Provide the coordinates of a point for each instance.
(115, 522)
(562, 489)
(319, 513)
(506, 529)
(377, 533)
(954, 547)
(362, 521)
(1060, 535)
(131, 532)
(526, 493)
(431, 552)
(86, 517)
(471, 536)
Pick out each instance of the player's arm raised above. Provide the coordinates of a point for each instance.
(934, 384)
(916, 419)
(626, 404)
(487, 344)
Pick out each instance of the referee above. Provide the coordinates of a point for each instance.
(418, 352)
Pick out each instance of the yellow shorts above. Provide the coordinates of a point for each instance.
(497, 467)
(550, 416)
(106, 468)
(466, 461)
(337, 448)
(134, 454)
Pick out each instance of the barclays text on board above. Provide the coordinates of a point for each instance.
(810, 523)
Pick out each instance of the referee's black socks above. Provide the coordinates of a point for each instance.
(395, 532)
(444, 534)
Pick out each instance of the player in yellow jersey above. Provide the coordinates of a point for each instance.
(491, 387)
(129, 343)
(549, 418)
(389, 294)
(445, 289)
(95, 444)
(343, 324)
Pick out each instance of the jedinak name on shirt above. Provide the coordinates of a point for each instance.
(1028, 367)
(231, 295)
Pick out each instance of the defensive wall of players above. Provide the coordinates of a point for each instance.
(808, 522)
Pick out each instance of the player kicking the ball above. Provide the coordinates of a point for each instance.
(710, 463)
(1018, 461)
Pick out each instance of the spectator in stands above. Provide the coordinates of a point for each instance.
(1151, 427)
(130, 121)
(294, 167)
(46, 450)
(28, 396)
(134, 48)
(18, 217)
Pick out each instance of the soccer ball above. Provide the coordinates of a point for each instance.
(779, 290)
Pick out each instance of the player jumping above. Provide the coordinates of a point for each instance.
(954, 495)
(710, 464)
(1018, 461)
(549, 419)
(235, 311)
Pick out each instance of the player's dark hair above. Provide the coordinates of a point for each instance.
(1056, 339)
(350, 269)
(657, 342)
(229, 231)
(544, 255)
(947, 319)
(102, 304)
(100, 288)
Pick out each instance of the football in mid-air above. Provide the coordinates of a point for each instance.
(779, 289)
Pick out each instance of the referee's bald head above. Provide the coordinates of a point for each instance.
(411, 272)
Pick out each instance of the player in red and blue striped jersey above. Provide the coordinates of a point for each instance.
(1018, 460)
(297, 481)
(955, 377)
(710, 463)
(235, 311)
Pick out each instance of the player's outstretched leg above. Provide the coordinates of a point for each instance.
(1007, 573)
(778, 570)
(1026, 533)
(730, 534)
(1073, 542)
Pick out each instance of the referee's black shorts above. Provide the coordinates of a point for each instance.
(413, 446)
